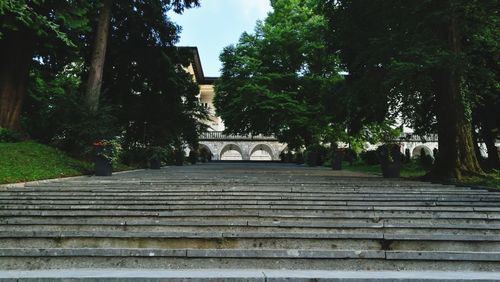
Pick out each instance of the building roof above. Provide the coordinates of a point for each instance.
(198, 69)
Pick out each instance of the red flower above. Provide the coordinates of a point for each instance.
(99, 143)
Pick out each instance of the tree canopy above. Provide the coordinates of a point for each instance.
(148, 99)
(277, 80)
(421, 61)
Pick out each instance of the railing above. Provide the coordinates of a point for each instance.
(219, 135)
(408, 137)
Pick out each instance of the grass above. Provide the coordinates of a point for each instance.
(491, 180)
(29, 161)
(409, 170)
(413, 170)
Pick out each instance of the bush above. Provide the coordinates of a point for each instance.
(136, 156)
(9, 136)
(179, 157)
(349, 155)
(287, 157)
(407, 156)
(299, 158)
(426, 161)
(316, 155)
(370, 157)
(193, 157)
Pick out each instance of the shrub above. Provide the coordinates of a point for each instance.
(136, 156)
(426, 161)
(299, 158)
(179, 157)
(350, 155)
(193, 156)
(316, 155)
(389, 154)
(287, 157)
(9, 136)
(370, 157)
(407, 156)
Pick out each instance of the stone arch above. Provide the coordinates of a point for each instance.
(262, 147)
(416, 151)
(231, 147)
(205, 153)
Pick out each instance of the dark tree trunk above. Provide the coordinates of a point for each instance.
(98, 57)
(456, 147)
(16, 54)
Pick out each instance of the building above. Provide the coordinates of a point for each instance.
(223, 146)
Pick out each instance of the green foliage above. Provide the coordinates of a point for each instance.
(53, 112)
(158, 99)
(28, 161)
(10, 136)
(278, 80)
(39, 17)
(370, 157)
(405, 59)
(426, 161)
(158, 153)
(316, 155)
(193, 157)
(148, 98)
(179, 156)
(110, 150)
(299, 158)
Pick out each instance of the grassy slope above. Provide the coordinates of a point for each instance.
(27, 161)
(413, 170)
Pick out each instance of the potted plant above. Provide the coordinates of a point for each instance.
(155, 155)
(337, 157)
(179, 157)
(107, 152)
(193, 156)
(390, 160)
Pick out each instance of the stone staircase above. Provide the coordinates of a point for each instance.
(233, 219)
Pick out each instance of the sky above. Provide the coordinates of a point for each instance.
(217, 24)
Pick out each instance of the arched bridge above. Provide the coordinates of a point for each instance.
(241, 147)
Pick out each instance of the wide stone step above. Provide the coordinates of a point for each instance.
(145, 223)
(137, 198)
(220, 206)
(275, 214)
(255, 275)
(251, 243)
(488, 236)
(16, 258)
(246, 189)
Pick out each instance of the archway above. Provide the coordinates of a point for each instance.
(231, 152)
(204, 153)
(261, 152)
(416, 151)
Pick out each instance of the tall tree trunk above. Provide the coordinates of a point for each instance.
(98, 57)
(16, 54)
(456, 148)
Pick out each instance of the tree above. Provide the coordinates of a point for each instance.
(101, 38)
(145, 77)
(98, 56)
(28, 27)
(276, 80)
(414, 56)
